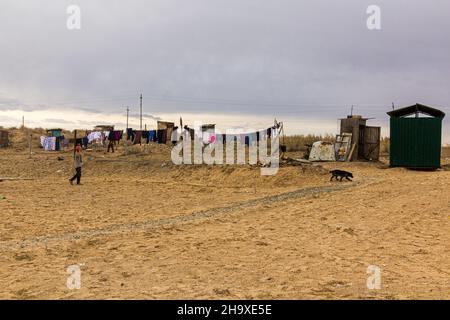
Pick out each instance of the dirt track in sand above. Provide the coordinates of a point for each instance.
(228, 232)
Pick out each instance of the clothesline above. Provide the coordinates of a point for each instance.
(161, 136)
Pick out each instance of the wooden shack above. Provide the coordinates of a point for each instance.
(168, 126)
(4, 138)
(366, 139)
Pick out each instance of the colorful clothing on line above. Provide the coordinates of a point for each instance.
(151, 137)
(175, 136)
(48, 143)
(162, 136)
(94, 136)
(137, 137)
(130, 134)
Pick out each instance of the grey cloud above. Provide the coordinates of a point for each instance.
(310, 58)
(62, 121)
(145, 116)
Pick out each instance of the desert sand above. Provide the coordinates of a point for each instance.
(140, 227)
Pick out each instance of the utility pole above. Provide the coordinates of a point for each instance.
(23, 122)
(141, 114)
(351, 112)
(128, 112)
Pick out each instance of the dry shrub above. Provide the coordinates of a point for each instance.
(384, 145)
(446, 152)
(19, 138)
(136, 149)
(298, 142)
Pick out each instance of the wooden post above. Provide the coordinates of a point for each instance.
(29, 145)
(350, 155)
(75, 144)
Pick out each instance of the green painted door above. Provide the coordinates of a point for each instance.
(415, 142)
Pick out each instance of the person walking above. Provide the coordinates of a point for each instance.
(78, 163)
(111, 141)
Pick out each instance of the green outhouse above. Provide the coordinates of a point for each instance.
(415, 137)
(57, 133)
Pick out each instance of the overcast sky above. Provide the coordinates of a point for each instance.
(302, 61)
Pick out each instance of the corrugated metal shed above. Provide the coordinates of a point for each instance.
(416, 141)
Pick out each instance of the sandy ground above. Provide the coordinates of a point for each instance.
(140, 227)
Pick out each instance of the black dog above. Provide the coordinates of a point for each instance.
(342, 174)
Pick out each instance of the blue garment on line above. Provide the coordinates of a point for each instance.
(151, 137)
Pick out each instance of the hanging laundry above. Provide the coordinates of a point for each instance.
(48, 143)
(175, 136)
(129, 134)
(152, 137)
(94, 136)
(85, 142)
(162, 135)
(137, 137)
(66, 143)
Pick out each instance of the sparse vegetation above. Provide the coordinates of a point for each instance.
(384, 145)
(298, 142)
